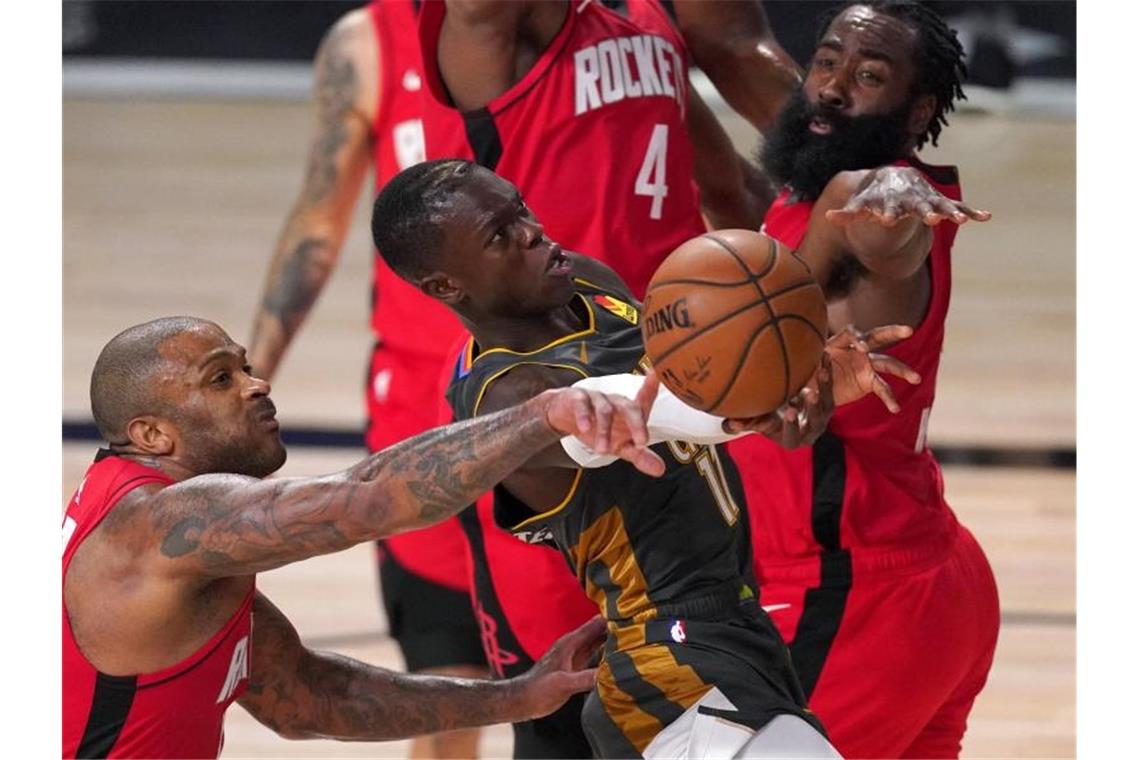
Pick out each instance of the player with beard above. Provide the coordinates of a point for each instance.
(887, 602)
(693, 667)
(165, 535)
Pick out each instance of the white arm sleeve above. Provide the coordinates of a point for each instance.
(671, 419)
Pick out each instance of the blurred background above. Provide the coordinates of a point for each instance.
(185, 127)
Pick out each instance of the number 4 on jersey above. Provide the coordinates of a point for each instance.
(651, 177)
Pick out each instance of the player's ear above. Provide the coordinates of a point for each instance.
(151, 434)
(442, 287)
(921, 112)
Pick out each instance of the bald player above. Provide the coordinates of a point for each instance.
(163, 627)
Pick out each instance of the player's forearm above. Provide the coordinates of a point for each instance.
(300, 693)
(348, 700)
(731, 41)
(229, 525)
(719, 171)
(302, 263)
(428, 478)
(758, 78)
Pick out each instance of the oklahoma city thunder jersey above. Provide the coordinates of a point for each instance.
(666, 560)
(176, 712)
(593, 134)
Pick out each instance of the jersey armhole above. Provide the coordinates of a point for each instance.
(499, 373)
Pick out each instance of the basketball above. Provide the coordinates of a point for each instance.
(734, 325)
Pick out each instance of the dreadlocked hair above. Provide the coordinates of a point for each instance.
(940, 61)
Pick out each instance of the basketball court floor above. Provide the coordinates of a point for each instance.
(173, 205)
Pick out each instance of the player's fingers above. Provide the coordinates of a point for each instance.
(978, 215)
(891, 213)
(603, 415)
(852, 212)
(633, 417)
(845, 338)
(643, 458)
(647, 393)
(586, 636)
(885, 336)
(884, 364)
(883, 391)
(945, 208)
(840, 217)
(582, 680)
(927, 213)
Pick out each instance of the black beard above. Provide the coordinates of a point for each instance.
(795, 156)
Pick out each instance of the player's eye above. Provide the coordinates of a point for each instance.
(498, 237)
(870, 76)
(221, 378)
(823, 62)
(247, 369)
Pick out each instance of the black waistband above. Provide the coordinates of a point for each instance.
(713, 603)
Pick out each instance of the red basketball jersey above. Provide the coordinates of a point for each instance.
(593, 135)
(176, 712)
(871, 484)
(402, 316)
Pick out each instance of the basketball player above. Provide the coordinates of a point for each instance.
(573, 100)
(887, 603)
(692, 665)
(368, 88)
(370, 80)
(162, 625)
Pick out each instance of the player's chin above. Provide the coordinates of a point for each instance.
(560, 288)
(270, 453)
(272, 458)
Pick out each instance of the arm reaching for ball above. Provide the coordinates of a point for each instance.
(849, 370)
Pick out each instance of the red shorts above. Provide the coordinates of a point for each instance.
(402, 399)
(525, 595)
(896, 669)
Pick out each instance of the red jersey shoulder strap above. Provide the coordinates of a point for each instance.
(107, 480)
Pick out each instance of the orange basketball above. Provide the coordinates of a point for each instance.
(734, 325)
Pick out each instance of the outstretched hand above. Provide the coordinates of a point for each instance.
(891, 193)
(855, 368)
(562, 672)
(800, 421)
(609, 423)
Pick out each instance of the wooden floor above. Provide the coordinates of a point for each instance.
(173, 207)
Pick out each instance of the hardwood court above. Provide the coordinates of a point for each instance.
(174, 206)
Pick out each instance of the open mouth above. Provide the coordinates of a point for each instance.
(558, 264)
(820, 125)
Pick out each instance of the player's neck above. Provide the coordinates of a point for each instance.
(172, 469)
(530, 333)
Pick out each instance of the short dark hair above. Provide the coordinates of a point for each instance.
(408, 212)
(940, 61)
(121, 387)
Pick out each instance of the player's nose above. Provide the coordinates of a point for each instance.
(256, 387)
(532, 232)
(833, 90)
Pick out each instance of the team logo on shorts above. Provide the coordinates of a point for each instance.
(620, 308)
(677, 631)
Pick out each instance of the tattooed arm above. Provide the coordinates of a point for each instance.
(346, 94)
(302, 694)
(228, 525)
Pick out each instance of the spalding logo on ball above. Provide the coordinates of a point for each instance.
(733, 324)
